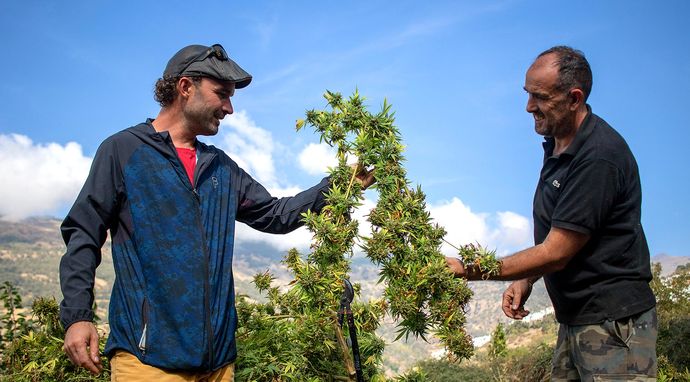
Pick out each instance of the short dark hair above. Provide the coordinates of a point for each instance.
(165, 90)
(573, 69)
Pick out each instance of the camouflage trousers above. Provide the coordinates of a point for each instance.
(621, 350)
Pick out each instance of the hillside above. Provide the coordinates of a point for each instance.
(30, 252)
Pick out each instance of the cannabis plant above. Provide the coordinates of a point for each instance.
(35, 351)
(296, 335)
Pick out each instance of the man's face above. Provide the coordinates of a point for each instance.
(208, 104)
(548, 104)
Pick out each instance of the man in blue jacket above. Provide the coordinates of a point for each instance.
(170, 203)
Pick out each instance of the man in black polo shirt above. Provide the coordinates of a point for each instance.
(590, 246)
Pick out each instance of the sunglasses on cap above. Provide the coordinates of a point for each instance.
(216, 50)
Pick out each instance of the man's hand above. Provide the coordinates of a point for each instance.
(364, 177)
(79, 336)
(514, 299)
(456, 266)
(459, 269)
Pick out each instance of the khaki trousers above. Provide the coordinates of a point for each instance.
(125, 367)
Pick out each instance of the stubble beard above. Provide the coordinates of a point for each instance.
(205, 122)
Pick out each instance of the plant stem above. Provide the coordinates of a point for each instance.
(451, 244)
(349, 364)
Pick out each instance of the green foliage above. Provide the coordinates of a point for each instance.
(498, 347)
(294, 335)
(673, 310)
(35, 351)
(414, 375)
(531, 363)
(13, 320)
(683, 268)
(668, 373)
(421, 293)
(498, 350)
(481, 259)
(445, 371)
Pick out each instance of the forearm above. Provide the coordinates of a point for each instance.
(550, 256)
(530, 264)
(84, 235)
(77, 278)
(265, 213)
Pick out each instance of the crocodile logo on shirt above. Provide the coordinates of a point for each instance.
(556, 183)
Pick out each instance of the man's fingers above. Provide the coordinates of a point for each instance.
(93, 350)
(86, 361)
(513, 306)
(522, 313)
(507, 305)
(364, 177)
(79, 356)
(517, 299)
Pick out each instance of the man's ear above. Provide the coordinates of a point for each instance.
(184, 85)
(576, 98)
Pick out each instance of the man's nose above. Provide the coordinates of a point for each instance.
(227, 106)
(531, 105)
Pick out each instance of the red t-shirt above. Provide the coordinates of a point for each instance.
(188, 158)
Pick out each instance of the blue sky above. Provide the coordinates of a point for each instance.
(76, 72)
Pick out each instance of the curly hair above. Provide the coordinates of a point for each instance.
(165, 89)
(573, 69)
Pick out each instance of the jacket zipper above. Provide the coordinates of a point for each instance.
(201, 166)
(207, 286)
(145, 319)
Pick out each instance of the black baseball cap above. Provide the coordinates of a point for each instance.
(207, 61)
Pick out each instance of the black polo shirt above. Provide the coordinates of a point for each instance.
(594, 187)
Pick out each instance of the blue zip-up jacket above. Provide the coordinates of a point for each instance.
(173, 300)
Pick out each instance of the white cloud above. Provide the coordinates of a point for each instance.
(514, 231)
(300, 238)
(315, 159)
(506, 232)
(250, 146)
(38, 178)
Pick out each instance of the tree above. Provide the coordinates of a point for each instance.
(13, 320)
(673, 311)
(498, 347)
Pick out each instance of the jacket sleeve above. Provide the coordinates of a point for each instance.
(261, 211)
(84, 231)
